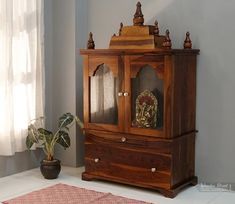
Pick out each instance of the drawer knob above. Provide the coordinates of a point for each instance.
(97, 160)
(153, 170)
(123, 139)
(126, 94)
(120, 94)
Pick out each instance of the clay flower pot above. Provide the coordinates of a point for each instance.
(50, 169)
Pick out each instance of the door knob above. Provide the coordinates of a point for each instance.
(120, 94)
(153, 170)
(126, 94)
(123, 139)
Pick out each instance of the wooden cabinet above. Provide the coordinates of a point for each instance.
(139, 110)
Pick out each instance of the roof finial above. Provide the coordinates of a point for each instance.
(90, 43)
(156, 29)
(138, 19)
(120, 29)
(187, 42)
(167, 41)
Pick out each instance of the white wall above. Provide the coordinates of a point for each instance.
(212, 31)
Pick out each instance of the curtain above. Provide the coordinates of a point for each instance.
(21, 71)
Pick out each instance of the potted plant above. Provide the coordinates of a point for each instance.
(50, 167)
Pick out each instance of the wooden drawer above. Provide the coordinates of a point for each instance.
(129, 157)
(128, 165)
(127, 174)
(146, 143)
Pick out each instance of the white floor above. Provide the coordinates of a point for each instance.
(28, 181)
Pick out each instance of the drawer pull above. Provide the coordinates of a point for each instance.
(120, 94)
(97, 160)
(153, 170)
(123, 139)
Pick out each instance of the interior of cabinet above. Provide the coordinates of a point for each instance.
(147, 99)
(103, 96)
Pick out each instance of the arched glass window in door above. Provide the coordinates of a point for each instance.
(103, 96)
(147, 99)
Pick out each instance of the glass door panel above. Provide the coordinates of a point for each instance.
(103, 96)
(147, 99)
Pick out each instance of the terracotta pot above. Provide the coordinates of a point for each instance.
(50, 169)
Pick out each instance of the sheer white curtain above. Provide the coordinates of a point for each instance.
(21, 70)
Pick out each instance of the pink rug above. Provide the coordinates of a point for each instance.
(65, 194)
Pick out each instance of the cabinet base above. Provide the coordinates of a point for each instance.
(169, 193)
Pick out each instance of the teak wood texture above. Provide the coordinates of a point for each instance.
(160, 158)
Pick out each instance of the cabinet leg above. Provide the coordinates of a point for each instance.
(87, 177)
(194, 181)
(168, 193)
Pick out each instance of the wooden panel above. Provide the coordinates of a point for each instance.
(168, 92)
(183, 159)
(126, 42)
(85, 90)
(156, 51)
(184, 104)
(111, 62)
(139, 61)
(128, 156)
(135, 30)
(127, 174)
(142, 143)
(146, 59)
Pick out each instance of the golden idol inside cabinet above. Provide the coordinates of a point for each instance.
(139, 109)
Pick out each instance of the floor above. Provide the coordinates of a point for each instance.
(28, 181)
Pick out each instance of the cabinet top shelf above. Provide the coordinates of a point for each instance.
(139, 51)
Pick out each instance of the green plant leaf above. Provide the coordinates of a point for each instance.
(45, 133)
(31, 137)
(29, 142)
(65, 120)
(64, 139)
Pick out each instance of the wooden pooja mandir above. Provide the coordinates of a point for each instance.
(139, 109)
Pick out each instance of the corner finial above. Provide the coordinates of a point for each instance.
(138, 19)
(156, 28)
(120, 29)
(187, 42)
(90, 43)
(167, 41)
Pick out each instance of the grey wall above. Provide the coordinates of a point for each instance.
(81, 20)
(19, 162)
(212, 31)
(65, 25)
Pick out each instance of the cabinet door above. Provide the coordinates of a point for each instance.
(102, 83)
(144, 101)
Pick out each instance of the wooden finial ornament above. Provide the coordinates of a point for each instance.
(187, 42)
(90, 43)
(120, 29)
(138, 19)
(167, 41)
(156, 29)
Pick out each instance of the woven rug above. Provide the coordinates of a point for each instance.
(66, 194)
